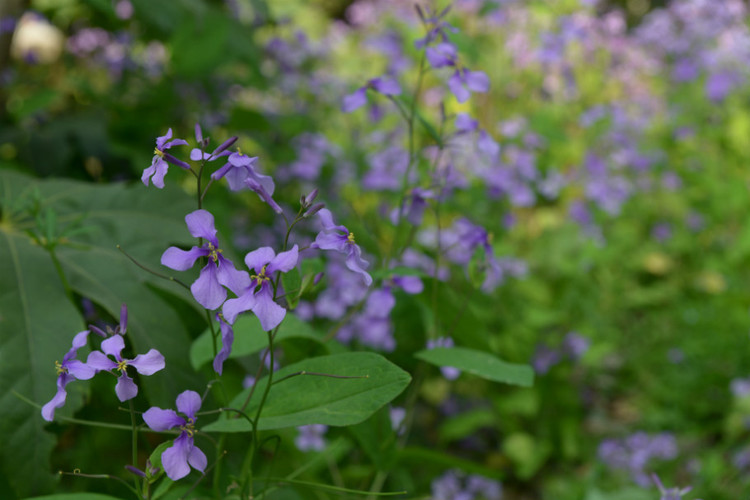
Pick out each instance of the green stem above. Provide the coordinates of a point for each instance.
(335, 488)
(134, 426)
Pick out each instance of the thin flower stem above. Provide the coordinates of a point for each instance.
(271, 335)
(102, 476)
(135, 437)
(151, 271)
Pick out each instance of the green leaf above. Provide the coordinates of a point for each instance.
(310, 399)
(38, 324)
(479, 363)
(249, 338)
(429, 129)
(292, 282)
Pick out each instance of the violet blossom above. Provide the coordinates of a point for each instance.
(227, 338)
(383, 85)
(178, 458)
(219, 272)
(70, 369)
(265, 262)
(310, 437)
(337, 237)
(145, 364)
(240, 174)
(120, 329)
(161, 160)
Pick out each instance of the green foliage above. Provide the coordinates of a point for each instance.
(307, 393)
(479, 363)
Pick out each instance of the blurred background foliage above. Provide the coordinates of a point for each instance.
(624, 126)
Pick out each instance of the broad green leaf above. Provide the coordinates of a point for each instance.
(37, 326)
(249, 338)
(479, 363)
(311, 399)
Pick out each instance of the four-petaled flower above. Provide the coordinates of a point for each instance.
(176, 458)
(265, 263)
(337, 237)
(70, 369)
(159, 164)
(145, 364)
(464, 81)
(218, 273)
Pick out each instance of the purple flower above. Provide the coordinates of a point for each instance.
(265, 262)
(70, 369)
(218, 273)
(441, 55)
(159, 164)
(669, 493)
(338, 238)
(227, 338)
(463, 81)
(310, 437)
(145, 364)
(120, 329)
(178, 458)
(383, 85)
(240, 174)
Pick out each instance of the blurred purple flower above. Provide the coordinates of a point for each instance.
(240, 174)
(310, 437)
(120, 329)
(463, 82)
(338, 238)
(385, 85)
(449, 372)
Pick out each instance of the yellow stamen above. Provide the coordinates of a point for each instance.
(189, 427)
(121, 365)
(213, 252)
(350, 238)
(60, 368)
(158, 153)
(261, 276)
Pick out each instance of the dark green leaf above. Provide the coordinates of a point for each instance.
(310, 399)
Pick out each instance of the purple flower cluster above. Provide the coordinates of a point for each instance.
(310, 437)
(635, 453)
(573, 347)
(453, 485)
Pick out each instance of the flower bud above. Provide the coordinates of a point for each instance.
(224, 146)
(310, 197)
(313, 210)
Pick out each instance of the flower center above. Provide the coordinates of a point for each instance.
(350, 238)
(121, 365)
(261, 276)
(189, 427)
(159, 153)
(213, 252)
(59, 368)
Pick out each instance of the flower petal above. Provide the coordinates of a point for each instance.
(113, 346)
(201, 225)
(174, 458)
(100, 362)
(197, 459)
(478, 81)
(227, 339)
(284, 262)
(326, 240)
(233, 307)
(161, 420)
(181, 260)
(149, 363)
(256, 259)
(268, 312)
(125, 388)
(57, 401)
(80, 370)
(160, 170)
(230, 277)
(355, 100)
(189, 402)
(207, 290)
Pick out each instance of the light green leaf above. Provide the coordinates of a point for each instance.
(310, 399)
(249, 338)
(479, 363)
